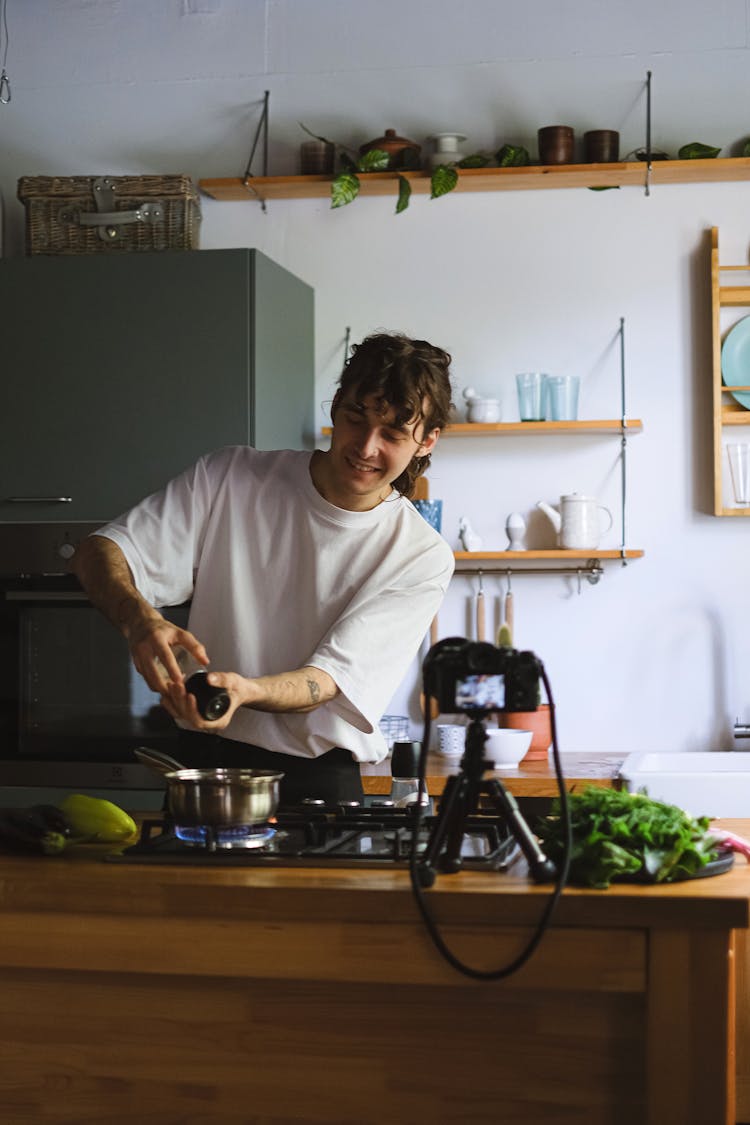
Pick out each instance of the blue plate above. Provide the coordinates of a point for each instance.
(735, 360)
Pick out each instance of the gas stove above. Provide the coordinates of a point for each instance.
(369, 836)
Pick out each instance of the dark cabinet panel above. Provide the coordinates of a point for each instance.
(119, 372)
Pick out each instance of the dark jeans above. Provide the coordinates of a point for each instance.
(333, 777)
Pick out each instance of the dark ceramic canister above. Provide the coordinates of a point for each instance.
(317, 158)
(601, 146)
(556, 143)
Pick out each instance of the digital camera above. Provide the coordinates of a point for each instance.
(475, 678)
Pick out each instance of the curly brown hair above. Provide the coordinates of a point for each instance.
(411, 376)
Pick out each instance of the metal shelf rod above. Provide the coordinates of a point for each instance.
(592, 571)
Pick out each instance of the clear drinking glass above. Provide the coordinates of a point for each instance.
(530, 386)
(561, 398)
(739, 468)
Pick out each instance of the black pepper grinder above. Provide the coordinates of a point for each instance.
(405, 774)
(212, 702)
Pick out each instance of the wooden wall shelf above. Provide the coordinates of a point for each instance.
(583, 564)
(581, 426)
(539, 556)
(585, 426)
(537, 176)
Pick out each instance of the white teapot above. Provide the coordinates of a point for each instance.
(577, 523)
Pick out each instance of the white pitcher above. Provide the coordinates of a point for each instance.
(578, 523)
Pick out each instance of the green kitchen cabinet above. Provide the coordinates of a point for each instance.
(118, 372)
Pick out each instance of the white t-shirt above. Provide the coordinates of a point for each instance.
(279, 578)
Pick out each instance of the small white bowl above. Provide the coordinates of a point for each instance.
(505, 747)
(451, 739)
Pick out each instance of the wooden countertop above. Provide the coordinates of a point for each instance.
(307, 994)
(82, 881)
(535, 779)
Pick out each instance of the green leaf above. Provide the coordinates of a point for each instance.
(344, 189)
(404, 194)
(474, 160)
(373, 161)
(746, 148)
(443, 180)
(697, 151)
(512, 156)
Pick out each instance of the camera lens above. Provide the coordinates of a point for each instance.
(212, 702)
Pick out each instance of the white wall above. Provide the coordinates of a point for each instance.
(657, 656)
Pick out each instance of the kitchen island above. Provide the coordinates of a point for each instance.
(256, 995)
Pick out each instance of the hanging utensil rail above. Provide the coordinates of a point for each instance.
(591, 570)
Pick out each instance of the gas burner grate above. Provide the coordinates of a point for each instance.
(302, 836)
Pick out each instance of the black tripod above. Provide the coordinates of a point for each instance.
(461, 799)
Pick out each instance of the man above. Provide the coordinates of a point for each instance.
(311, 577)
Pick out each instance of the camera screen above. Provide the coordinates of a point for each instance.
(483, 691)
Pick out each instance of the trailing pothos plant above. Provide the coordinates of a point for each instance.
(345, 184)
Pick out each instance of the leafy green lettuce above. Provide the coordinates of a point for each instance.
(619, 835)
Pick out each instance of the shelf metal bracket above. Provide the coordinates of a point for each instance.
(623, 443)
(262, 129)
(647, 185)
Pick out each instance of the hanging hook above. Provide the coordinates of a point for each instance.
(507, 576)
(5, 93)
(578, 574)
(479, 575)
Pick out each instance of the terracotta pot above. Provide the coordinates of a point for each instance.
(537, 721)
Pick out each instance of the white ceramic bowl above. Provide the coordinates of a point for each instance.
(505, 747)
(451, 739)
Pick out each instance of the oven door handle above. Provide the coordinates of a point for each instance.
(44, 596)
(38, 499)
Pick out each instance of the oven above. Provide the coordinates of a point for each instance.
(72, 706)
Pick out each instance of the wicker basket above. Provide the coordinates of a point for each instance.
(95, 214)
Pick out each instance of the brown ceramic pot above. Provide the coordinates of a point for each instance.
(402, 153)
(601, 146)
(556, 144)
(537, 721)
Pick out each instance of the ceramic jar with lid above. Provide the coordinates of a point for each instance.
(446, 148)
(402, 153)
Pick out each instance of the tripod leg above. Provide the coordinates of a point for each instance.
(452, 798)
(542, 868)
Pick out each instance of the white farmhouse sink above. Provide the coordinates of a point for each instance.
(716, 783)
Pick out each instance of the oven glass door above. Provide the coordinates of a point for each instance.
(77, 690)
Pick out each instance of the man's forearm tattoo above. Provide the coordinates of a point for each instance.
(314, 689)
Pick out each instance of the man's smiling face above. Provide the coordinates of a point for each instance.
(370, 448)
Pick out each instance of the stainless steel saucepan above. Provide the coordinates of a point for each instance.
(215, 798)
